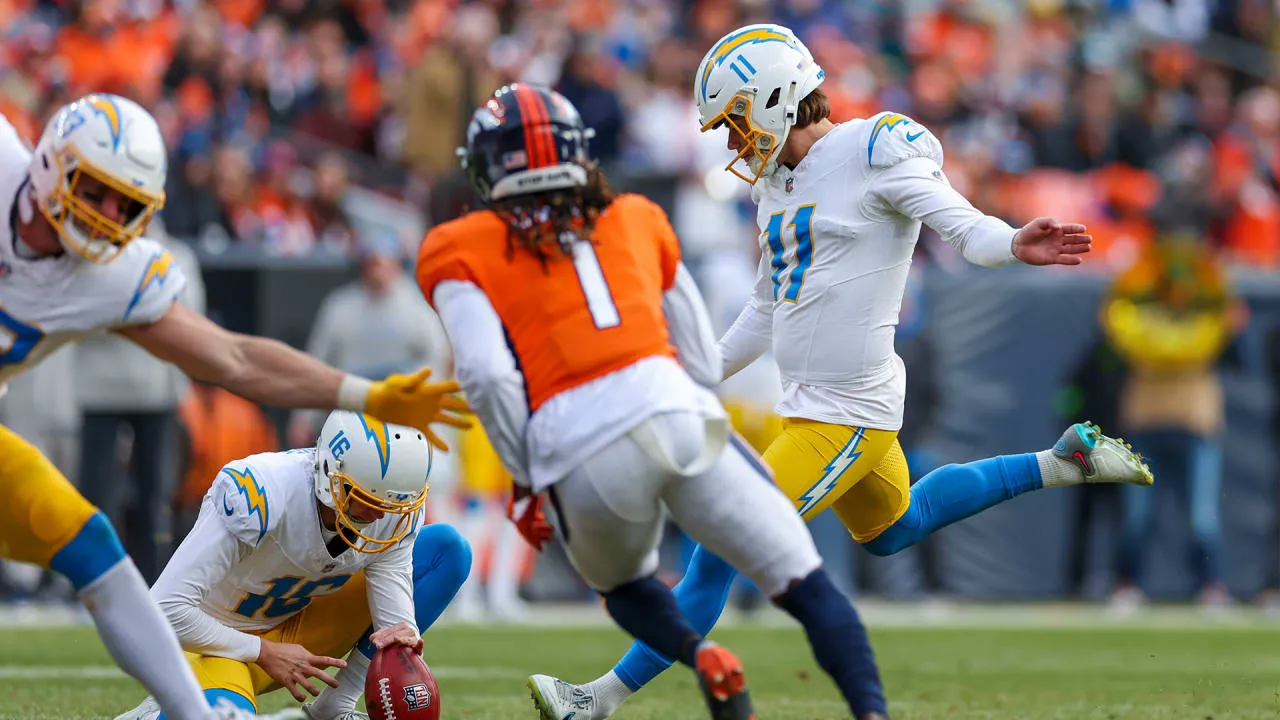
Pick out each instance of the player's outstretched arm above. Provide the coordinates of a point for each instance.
(271, 372)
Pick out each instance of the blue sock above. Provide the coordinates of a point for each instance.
(647, 609)
(213, 696)
(701, 596)
(838, 639)
(441, 564)
(954, 492)
(93, 551)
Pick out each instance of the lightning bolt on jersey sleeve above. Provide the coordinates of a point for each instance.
(390, 586)
(690, 327)
(241, 501)
(203, 560)
(154, 282)
(487, 370)
(751, 334)
(907, 179)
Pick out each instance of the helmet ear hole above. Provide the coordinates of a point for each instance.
(326, 467)
(774, 98)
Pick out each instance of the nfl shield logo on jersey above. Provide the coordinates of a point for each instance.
(417, 696)
(790, 184)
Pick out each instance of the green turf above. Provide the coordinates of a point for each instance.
(1188, 674)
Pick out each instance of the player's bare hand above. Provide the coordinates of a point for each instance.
(411, 400)
(399, 634)
(1045, 241)
(293, 666)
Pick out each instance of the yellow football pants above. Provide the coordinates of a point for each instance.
(331, 625)
(40, 510)
(861, 473)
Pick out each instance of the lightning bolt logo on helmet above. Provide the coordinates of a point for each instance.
(376, 430)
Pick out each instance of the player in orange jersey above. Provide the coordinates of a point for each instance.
(584, 347)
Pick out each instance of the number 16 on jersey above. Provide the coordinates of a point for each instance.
(802, 226)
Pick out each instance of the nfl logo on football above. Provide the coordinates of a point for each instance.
(417, 696)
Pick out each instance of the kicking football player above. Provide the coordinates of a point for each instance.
(587, 352)
(72, 262)
(298, 557)
(840, 209)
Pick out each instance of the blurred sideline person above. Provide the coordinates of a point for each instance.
(1170, 316)
(587, 352)
(374, 326)
(123, 388)
(503, 559)
(74, 263)
(839, 210)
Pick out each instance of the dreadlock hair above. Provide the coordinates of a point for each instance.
(544, 223)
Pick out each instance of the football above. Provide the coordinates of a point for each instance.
(400, 686)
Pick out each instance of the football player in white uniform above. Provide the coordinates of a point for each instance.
(839, 212)
(72, 262)
(300, 556)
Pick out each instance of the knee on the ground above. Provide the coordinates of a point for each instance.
(441, 551)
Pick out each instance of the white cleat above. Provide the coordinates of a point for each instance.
(224, 710)
(348, 715)
(148, 710)
(559, 700)
(1102, 459)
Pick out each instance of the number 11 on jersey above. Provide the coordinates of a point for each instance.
(802, 226)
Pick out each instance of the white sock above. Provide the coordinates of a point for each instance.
(471, 524)
(504, 567)
(141, 642)
(336, 700)
(1056, 472)
(610, 692)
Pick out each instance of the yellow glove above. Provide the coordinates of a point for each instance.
(411, 400)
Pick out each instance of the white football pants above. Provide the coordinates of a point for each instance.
(611, 507)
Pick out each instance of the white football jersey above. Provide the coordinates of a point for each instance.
(836, 248)
(268, 503)
(48, 302)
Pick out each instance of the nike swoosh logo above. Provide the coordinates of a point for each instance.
(1080, 458)
(226, 508)
(913, 138)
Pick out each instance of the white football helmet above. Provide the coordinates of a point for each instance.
(116, 143)
(753, 80)
(383, 466)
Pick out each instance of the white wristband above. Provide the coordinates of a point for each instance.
(353, 393)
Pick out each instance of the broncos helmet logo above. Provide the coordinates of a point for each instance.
(377, 431)
(255, 497)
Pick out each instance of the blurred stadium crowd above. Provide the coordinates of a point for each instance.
(1125, 113)
(296, 127)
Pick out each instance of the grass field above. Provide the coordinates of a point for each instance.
(1079, 671)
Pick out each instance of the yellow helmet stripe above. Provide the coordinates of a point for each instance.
(726, 46)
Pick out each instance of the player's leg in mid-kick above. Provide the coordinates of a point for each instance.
(818, 463)
(954, 492)
(610, 517)
(44, 520)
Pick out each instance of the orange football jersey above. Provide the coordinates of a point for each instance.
(577, 318)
